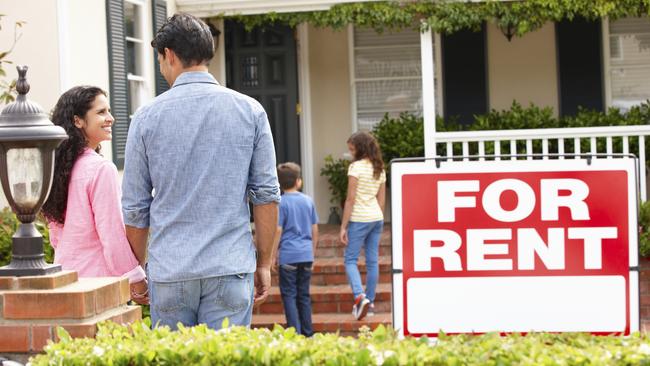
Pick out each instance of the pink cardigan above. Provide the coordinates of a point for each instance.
(93, 240)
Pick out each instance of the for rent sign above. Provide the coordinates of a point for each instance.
(515, 246)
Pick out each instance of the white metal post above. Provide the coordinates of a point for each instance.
(428, 93)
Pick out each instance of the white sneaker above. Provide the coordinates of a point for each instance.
(371, 310)
(361, 306)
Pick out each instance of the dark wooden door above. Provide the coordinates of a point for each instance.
(262, 64)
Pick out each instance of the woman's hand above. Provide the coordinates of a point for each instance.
(343, 236)
(140, 292)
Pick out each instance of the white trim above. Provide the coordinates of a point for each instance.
(353, 83)
(222, 51)
(607, 69)
(64, 46)
(437, 46)
(134, 40)
(211, 8)
(133, 77)
(304, 93)
(428, 93)
(136, 2)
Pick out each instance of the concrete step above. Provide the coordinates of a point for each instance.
(328, 299)
(331, 271)
(346, 324)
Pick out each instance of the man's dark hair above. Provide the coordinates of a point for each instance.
(288, 174)
(188, 36)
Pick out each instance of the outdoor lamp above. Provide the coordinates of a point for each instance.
(27, 142)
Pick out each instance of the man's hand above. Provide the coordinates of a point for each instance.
(262, 284)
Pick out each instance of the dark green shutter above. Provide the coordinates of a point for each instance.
(159, 18)
(119, 92)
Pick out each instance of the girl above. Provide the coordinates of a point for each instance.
(363, 217)
(83, 209)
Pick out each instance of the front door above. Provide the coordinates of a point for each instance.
(262, 64)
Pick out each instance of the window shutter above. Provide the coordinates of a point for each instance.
(119, 93)
(159, 18)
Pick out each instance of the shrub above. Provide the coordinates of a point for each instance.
(644, 229)
(139, 345)
(336, 172)
(8, 226)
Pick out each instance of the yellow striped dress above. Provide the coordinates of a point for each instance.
(366, 208)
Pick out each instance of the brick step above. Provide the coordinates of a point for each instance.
(328, 322)
(329, 245)
(331, 271)
(328, 299)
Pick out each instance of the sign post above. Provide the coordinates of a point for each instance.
(515, 246)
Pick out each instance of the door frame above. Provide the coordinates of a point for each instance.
(304, 99)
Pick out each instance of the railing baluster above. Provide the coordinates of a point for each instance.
(465, 150)
(642, 167)
(450, 150)
(529, 149)
(626, 145)
(497, 149)
(609, 146)
(513, 149)
(576, 146)
(594, 148)
(481, 150)
(545, 148)
(560, 148)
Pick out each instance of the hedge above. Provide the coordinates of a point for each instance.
(139, 345)
(8, 226)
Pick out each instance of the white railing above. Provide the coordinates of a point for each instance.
(547, 143)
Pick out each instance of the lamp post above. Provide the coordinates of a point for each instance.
(27, 142)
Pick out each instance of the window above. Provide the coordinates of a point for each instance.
(629, 62)
(387, 75)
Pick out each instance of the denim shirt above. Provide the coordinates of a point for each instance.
(194, 157)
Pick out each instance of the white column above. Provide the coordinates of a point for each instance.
(428, 93)
(64, 46)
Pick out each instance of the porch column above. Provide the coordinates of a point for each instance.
(428, 93)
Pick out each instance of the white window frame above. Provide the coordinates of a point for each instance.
(143, 58)
(354, 79)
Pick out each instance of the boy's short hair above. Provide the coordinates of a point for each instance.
(288, 175)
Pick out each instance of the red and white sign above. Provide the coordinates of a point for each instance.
(515, 246)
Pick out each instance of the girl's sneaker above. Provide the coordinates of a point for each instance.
(360, 307)
(371, 310)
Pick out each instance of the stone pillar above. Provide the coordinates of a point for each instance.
(31, 308)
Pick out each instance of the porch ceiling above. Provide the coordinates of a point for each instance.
(210, 8)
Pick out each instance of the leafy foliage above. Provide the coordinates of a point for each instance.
(8, 88)
(336, 171)
(644, 229)
(446, 16)
(140, 345)
(8, 226)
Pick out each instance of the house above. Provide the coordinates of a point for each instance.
(319, 85)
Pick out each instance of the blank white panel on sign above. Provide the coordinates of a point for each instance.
(516, 304)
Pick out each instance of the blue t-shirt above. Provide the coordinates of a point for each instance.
(297, 215)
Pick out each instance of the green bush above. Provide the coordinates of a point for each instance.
(139, 345)
(336, 172)
(644, 229)
(8, 226)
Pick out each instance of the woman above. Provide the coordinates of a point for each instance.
(363, 218)
(83, 209)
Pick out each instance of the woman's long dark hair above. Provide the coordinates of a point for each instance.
(75, 102)
(367, 147)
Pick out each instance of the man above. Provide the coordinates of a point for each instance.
(194, 157)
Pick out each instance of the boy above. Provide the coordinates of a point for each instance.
(297, 235)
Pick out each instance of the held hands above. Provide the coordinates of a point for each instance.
(140, 292)
(262, 284)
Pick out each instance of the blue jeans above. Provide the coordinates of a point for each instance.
(363, 235)
(205, 301)
(294, 288)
